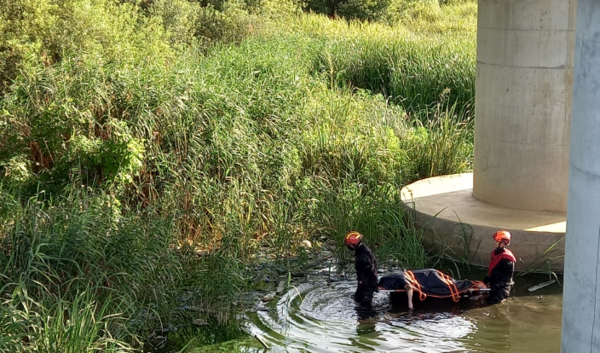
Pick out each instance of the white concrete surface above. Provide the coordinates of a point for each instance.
(581, 300)
(453, 219)
(523, 103)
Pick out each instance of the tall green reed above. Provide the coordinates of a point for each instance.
(138, 187)
(440, 146)
(413, 73)
(80, 280)
(386, 228)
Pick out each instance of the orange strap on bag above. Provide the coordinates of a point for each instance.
(454, 292)
(410, 277)
(451, 286)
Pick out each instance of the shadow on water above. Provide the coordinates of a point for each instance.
(321, 316)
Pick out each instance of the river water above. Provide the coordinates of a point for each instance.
(319, 315)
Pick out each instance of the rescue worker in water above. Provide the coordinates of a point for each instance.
(500, 271)
(366, 267)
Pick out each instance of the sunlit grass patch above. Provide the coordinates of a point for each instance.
(441, 17)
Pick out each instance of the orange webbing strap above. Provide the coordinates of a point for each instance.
(410, 277)
(451, 286)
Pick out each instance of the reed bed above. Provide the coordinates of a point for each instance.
(146, 173)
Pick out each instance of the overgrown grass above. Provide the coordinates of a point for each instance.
(145, 169)
(82, 277)
(415, 72)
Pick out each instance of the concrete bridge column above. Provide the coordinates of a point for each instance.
(525, 56)
(581, 301)
(523, 103)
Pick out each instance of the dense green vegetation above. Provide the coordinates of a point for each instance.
(153, 153)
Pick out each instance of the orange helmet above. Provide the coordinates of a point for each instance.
(353, 238)
(502, 236)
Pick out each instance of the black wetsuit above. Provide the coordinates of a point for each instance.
(500, 275)
(366, 274)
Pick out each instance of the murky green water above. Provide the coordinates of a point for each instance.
(321, 316)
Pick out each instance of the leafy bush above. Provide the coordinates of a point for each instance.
(441, 17)
(139, 166)
(117, 277)
(349, 9)
(43, 32)
(39, 33)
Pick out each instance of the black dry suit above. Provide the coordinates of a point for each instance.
(366, 273)
(500, 275)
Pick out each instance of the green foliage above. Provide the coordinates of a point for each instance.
(441, 17)
(236, 143)
(441, 146)
(349, 138)
(118, 159)
(349, 9)
(180, 19)
(363, 9)
(68, 138)
(43, 32)
(230, 26)
(150, 151)
(281, 9)
(188, 22)
(379, 216)
(413, 73)
(407, 10)
(115, 278)
(39, 33)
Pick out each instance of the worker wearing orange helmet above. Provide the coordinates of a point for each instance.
(501, 269)
(366, 267)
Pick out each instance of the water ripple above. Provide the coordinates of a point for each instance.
(323, 317)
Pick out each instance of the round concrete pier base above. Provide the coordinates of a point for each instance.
(454, 221)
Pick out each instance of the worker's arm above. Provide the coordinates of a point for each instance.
(502, 274)
(507, 269)
(409, 293)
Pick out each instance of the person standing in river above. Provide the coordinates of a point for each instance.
(501, 269)
(366, 267)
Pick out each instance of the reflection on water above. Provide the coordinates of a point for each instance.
(322, 317)
(524, 324)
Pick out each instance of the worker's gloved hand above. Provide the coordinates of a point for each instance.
(486, 280)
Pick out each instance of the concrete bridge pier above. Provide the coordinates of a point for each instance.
(581, 300)
(523, 103)
(525, 52)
